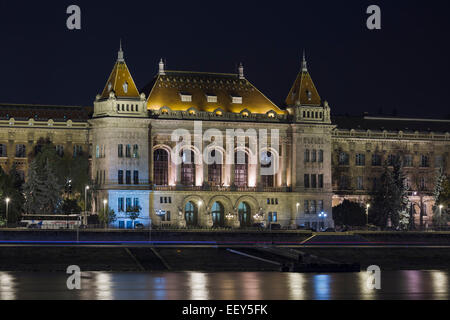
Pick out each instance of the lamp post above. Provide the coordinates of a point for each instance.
(85, 204)
(323, 215)
(7, 200)
(440, 214)
(367, 216)
(105, 213)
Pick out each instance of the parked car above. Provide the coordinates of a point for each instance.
(139, 226)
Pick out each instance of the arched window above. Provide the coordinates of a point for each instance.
(160, 167)
(190, 214)
(218, 216)
(187, 168)
(241, 169)
(215, 170)
(266, 163)
(244, 212)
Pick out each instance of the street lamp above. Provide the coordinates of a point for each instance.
(85, 204)
(323, 215)
(367, 216)
(7, 200)
(105, 213)
(440, 213)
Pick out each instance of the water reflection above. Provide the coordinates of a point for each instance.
(198, 284)
(322, 286)
(226, 286)
(295, 283)
(7, 290)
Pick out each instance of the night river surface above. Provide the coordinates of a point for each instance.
(226, 286)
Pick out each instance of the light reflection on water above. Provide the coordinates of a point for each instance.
(226, 286)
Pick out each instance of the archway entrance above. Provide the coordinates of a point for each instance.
(191, 214)
(218, 216)
(244, 212)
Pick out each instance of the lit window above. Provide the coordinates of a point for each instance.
(185, 97)
(236, 100)
(211, 99)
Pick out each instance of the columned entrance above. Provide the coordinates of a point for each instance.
(244, 212)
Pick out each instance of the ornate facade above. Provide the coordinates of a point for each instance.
(167, 149)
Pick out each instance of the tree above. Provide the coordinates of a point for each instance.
(390, 201)
(133, 212)
(10, 187)
(441, 200)
(349, 214)
(70, 206)
(52, 190)
(33, 190)
(107, 216)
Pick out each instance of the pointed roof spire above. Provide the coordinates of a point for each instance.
(120, 54)
(161, 71)
(241, 71)
(304, 66)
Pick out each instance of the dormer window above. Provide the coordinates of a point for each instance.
(309, 94)
(125, 87)
(211, 98)
(109, 86)
(236, 100)
(185, 97)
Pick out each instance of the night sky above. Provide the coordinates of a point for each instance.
(403, 68)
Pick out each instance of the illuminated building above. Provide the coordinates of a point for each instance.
(128, 135)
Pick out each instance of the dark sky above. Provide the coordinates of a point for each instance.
(404, 66)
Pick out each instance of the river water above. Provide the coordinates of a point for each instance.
(226, 286)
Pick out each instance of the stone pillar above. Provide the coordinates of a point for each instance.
(205, 172)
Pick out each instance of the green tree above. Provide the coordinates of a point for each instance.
(390, 200)
(10, 187)
(349, 214)
(70, 206)
(441, 200)
(133, 213)
(107, 216)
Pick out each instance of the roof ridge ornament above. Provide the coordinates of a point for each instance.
(241, 71)
(120, 53)
(161, 71)
(304, 65)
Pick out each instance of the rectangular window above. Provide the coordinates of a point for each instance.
(343, 159)
(211, 99)
(77, 151)
(97, 151)
(120, 206)
(128, 151)
(321, 181)
(3, 152)
(60, 150)
(120, 150)
(135, 151)
(313, 181)
(136, 177)
(128, 177)
(376, 160)
(314, 156)
(185, 97)
(320, 205)
(439, 162)
(20, 151)
(359, 183)
(424, 162)
(270, 217)
(120, 177)
(161, 200)
(407, 161)
(128, 203)
(360, 159)
(313, 208)
(320, 156)
(306, 207)
(170, 199)
(136, 202)
(306, 180)
(236, 100)
(306, 155)
(392, 159)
